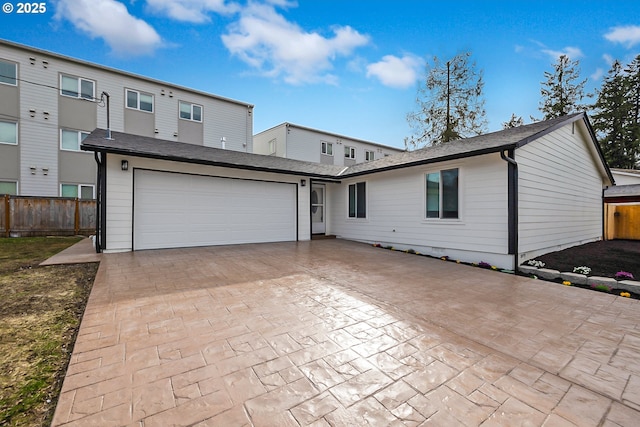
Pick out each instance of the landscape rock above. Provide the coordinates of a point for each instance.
(576, 278)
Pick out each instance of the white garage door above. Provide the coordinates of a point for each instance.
(174, 210)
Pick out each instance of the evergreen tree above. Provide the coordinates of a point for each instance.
(633, 81)
(450, 104)
(513, 122)
(615, 117)
(562, 91)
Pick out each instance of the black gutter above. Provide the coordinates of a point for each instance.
(512, 203)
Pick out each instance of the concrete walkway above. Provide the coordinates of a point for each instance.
(79, 253)
(339, 333)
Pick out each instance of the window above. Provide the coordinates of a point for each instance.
(357, 200)
(77, 87)
(442, 194)
(369, 155)
(77, 190)
(8, 133)
(8, 73)
(272, 146)
(9, 187)
(191, 112)
(349, 152)
(327, 148)
(71, 139)
(140, 101)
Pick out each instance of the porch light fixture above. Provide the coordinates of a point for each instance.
(124, 165)
(303, 183)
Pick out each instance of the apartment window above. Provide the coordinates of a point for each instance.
(9, 187)
(369, 155)
(272, 146)
(140, 101)
(442, 194)
(349, 152)
(80, 191)
(8, 133)
(71, 139)
(190, 111)
(8, 73)
(327, 148)
(77, 87)
(357, 200)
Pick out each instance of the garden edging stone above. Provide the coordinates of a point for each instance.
(548, 274)
(629, 285)
(607, 281)
(577, 278)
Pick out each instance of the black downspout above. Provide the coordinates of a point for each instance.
(101, 205)
(512, 203)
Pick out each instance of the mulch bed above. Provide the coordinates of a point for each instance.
(605, 258)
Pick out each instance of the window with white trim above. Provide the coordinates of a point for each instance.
(8, 133)
(81, 191)
(327, 148)
(139, 101)
(9, 187)
(8, 73)
(358, 200)
(71, 139)
(77, 87)
(369, 155)
(189, 111)
(442, 194)
(272, 146)
(349, 152)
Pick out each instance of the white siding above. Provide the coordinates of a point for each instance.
(625, 178)
(261, 141)
(120, 195)
(560, 192)
(396, 212)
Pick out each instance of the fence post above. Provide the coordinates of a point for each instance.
(76, 222)
(7, 216)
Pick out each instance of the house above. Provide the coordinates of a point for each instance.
(622, 206)
(303, 143)
(51, 102)
(501, 198)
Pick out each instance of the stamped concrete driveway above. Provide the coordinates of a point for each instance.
(340, 333)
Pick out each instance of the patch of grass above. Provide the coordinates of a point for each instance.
(39, 318)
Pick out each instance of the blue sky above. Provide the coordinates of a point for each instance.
(346, 66)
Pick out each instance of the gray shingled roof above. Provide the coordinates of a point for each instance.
(622, 190)
(144, 146)
(127, 144)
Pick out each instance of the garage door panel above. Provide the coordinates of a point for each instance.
(178, 210)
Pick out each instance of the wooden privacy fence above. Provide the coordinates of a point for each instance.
(26, 216)
(622, 221)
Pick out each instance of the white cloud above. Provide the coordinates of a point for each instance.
(110, 20)
(597, 74)
(608, 59)
(275, 47)
(396, 72)
(194, 11)
(569, 51)
(628, 35)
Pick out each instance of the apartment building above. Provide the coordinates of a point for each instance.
(49, 103)
(313, 145)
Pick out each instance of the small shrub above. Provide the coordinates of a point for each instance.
(601, 288)
(411, 251)
(582, 270)
(483, 264)
(625, 294)
(623, 275)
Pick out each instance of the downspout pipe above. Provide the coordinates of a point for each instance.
(512, 202)
(98, 242)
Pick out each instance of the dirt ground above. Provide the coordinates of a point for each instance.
(605, 258)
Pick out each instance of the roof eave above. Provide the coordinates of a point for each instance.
(133, 153)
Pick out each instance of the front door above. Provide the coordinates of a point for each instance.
(318, 225)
